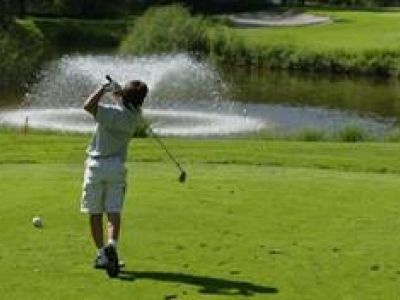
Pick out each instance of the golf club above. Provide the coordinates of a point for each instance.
(182, 176)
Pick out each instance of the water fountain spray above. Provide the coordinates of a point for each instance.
(188, 98)
(182, 176)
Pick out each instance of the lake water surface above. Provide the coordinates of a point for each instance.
(191, 97)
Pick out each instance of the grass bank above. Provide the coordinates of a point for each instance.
(243, 225)
(356, 42)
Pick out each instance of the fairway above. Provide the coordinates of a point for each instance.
(350, 31)
(234, 231)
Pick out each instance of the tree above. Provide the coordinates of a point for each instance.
(21, 8)
(5, 14)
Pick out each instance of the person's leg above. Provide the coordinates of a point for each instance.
(110, 251)
(114, 225)
(114, 196)
(96, 229)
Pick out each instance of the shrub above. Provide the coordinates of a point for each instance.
(393, 135)
(22, 48)
(166, 29)
(353, 133)
(75, 32)
(310, 135)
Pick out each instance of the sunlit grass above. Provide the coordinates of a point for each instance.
(352, 31)
(288, 220)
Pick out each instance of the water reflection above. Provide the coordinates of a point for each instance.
(373, 97)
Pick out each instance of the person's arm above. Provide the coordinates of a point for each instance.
(92, 102)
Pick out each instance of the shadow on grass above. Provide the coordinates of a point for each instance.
(208, 285)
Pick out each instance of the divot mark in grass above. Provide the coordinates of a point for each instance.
(275, 251)
(234, 272)
(168, 297)
(375, 268)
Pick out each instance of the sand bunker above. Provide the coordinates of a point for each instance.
(273, 19)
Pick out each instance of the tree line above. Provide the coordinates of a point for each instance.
(103, 8)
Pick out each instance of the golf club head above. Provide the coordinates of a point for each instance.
(182, 177)
(115, 87)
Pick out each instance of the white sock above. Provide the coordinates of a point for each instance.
(113, 243)
(100, 251)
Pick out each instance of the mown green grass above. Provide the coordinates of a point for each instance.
(351, 31)
(257, 219)
(365, 157)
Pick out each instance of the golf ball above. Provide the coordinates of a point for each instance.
(37, 222)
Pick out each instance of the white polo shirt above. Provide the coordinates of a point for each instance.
(115, 126)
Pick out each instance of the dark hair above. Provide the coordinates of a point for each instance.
(133, 93)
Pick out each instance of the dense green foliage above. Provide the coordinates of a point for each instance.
(25, 42)
(22, 47)
(324, 48)
(166, 29)
(256, 218)
(95, 8)
(68, 8)
(78, 32)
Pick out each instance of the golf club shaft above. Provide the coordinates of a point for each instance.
(154, 135)
(157, 138)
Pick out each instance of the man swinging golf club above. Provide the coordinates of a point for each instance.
(104, 178)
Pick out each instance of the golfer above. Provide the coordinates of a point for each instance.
(104, 178)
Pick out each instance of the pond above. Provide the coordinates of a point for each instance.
(192, 97)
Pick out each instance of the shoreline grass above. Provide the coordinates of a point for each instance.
(351, 132)
(371, 157)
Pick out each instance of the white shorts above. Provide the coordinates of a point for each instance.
(103, 185)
